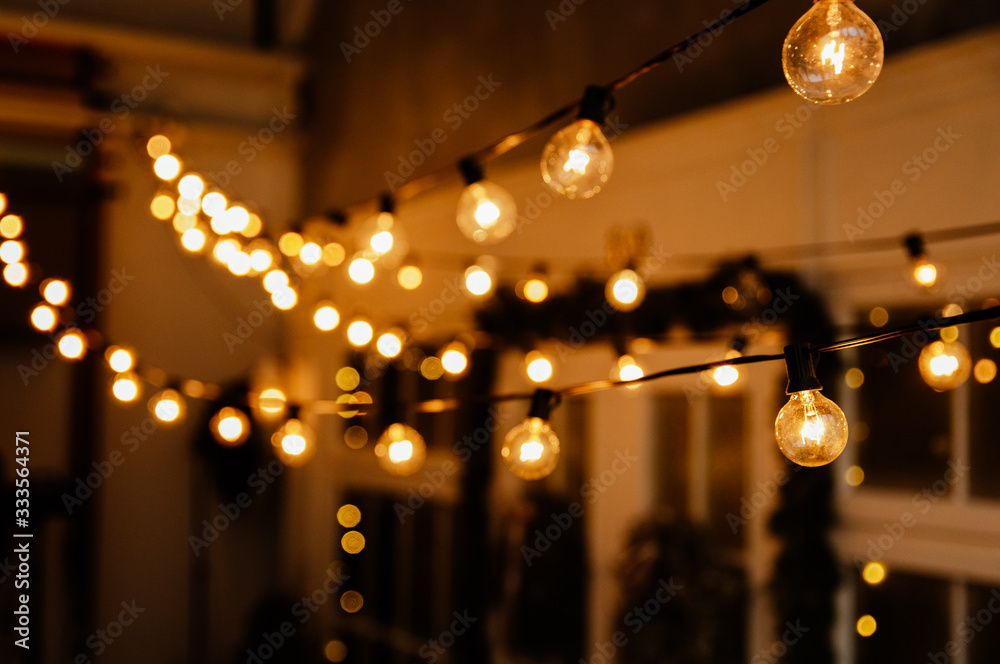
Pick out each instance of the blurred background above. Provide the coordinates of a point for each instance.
(672, 530)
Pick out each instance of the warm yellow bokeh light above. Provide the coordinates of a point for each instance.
(230, 426)
(455, 358)
(854, 378)
(409, 277)
(261, 260)
(157, 146)
(126, 387)
(431, 368)
(925, 274)
(284, 298)
(290, 243)
(11, 226)
(348, 378)
(44, 318)
(878, 316)
(275, 280)
(873, 573)
(72, 345)
(193, 239)
(335, 651)
(11, 251)
(538, 367)
(949, 334)
(183, 222)
(310, 253)
(951, 309)
(214, 204)
(162, 207)
(352, 542)
(348, 515)
(359, 332)
(119, 359)
(239, 263)
(191, 186)
(390, 344)
(866, 625)
(352, 601)
(361, 270)
(225, 249)
(356, 437)
(271, 401)
(985, 370)
(536, 290)
(167, 406)
(854, 476)
(478, 280)
(725, 375)
(326, 317)
(167, 167)
(333, 254)
(629, 369)
(15, 274)
(55, 291)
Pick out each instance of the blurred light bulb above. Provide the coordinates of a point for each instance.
(261, 260)
(925, 273)
(225, 249)
(326, 317)
(157, 146)
(390, 344)
(43, 318)
(72, 344)
(193, 239)
(271, 402)
(11, 226)
(409, 277)
(11, 251)
(361, 270)
(230, 427)
(359, 332)
(119, 359)
(833, 54)
(536, 288)
(275, 280)
(310, 253)
(577, 160)
(162, 207)
(167, 406)
(55, 291)
(538, 367)
(628, 369)
(531, 449)
(478, 280)
(15, 274)
(239, 263)
(236, 219)
(214, 204)
(381, 242)
(167, 167)
(726, 375)
(985, 370)
(285, 298)
(400, 449)
(125, 387)
(625, 290)
(486, 212)
(944, 365)
(810, 429)
(191, 186)
(290, 243)
(294, 443)
(454, 358)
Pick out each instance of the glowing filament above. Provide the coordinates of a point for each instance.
(487, 213)
(400, 451)
(531, 451)
(577, 162)
(834, 55)
(944, 365)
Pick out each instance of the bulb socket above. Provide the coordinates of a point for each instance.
(293, 411)
(387, 204)
(471, 171)
(596, 103)
(914, 244)
(801, 368)
(542, 402)
(739, 343)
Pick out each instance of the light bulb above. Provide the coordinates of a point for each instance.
(72, 344)
(531, 449)
(944, 365)
(326, 316)
(10, 226)
(627, 369)
(810, 429)
(284, 298)
(361, 270)
(15, 274)
(214, 204)
(294, 443)
(577, 160)
(478, 281)
(162, 207)
(486, 212)
(400, 449)
(310, 253)
(454, 358)
(270, 403)
(11, 251)
(193, 239)
(359, 332)
(119, 359)
(44, 318)
(833, 54)
(390, 344)
(275, 280)
(925, 273)
(538, 367)
(625, 290)
(55, 291)
(191, 186)
(409, 277)
(167, 167)
(536, 289)
(230, 427)
(725, 375)
(290, 243)
(157, 146)
(167, 406)
(125, 386)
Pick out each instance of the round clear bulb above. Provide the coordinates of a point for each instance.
(294, 443)
(400, 449)
(944, 365)
(230, 427)
(577, 160)
(486, 213)
(167, 406)
(625, 290)
(833, 54)
(925, 273)
(810, 429)
(531, 449)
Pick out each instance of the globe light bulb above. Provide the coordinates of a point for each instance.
(44, 318)
(125, 387)
(230, 427)
(390, 344)
(400, 449)
(577, 161)
(725, 375)
(55, 291)
(361, 270)
(10, 226)
(810, 429)
(536, 289)
(538, 367)
(15, 274)
(270, 403)
(478, 281)
(455, 358)
(167, 167)
(409, 277)
(627, 369)
(944, 365)
(310, 253)
(11, 251)
(326, 317)
(72, 344)
(486, 211)
(294, 443)
(119, 359)
(925, 273)
(168, 406)
(359, 332)
(833, 54)
(193, 239)
(157, 146)
(531, 449)
(191, 186)
(625, 290)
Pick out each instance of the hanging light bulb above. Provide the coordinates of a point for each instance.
(326, 317)
(361, 270)
(359, 332)
(44, 318)
(944, 365)
(168, 406)
(538, 366)
(125, 387)
(577, 160)
(230, 427)
(455, 358)
(400, 449)
(294, 443)
(119, 359)
(390, 344)
(627, 369)
(810, 429)
(531, 449)
(486, 212)
(72, 344)
(833, 54)
(55, 291)
(478, 281)
(925, 273)
(727, 375)
(409, 276)
(625, 290)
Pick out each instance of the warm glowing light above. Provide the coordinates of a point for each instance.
(230, 427)
(352, 601)
(294, 442)
(536, 290)
(225, 249)
(995, 337)
(361, 270)
(310, 253)
(162, 207)
(271, 401)
(454, 358)
(72, 344)
(167, 167)
(577, 161)
(183, 222)
(348, 515)
(951, 309)
(275, 280)
(236, 219)
(866, 625)
(531, 449)
(400, 449)
(625, 290)
(487, 213)
(335, 651)
(810, 429)
(925, 274)
(347, 378)
(352, 542)
(390, 344)
(833, 54)
(11, 226)
(478, 280)
(359, 333)
(381, 242)
(290, 243)
(878, 316)
(119, 359)
(409, 277)
(538, 367)
(188, 208)
(193, 239)
(285, 298)
(985, 370)
(261, 260)
(44, 318)
(431, 368)
(157, 146)
(854, 378)
(326, 317)
(949, 334)
(726, 375)
(11, 251)
(854, 476)
(55, 291)
(254, 226)
(239, 264)
(873, 573)
(628, 369)
(15, 274)
(214, 204)
(191, 186)
(125, 387)
(167, 406)
(945, 365)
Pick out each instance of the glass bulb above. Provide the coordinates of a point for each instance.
(167, 406)
(531, 449)
(487, 212)
(538, 366)
(409, 277)
(811, 430)
(478, 280)
(625, 290)
(326, 317)
(125, 386)
(294, 443)
(627, 369)
(925, 273)
(833, 54)
(230, 427)
(400, 449)
(359, 333)
(944, 365)
(454, 358)
(577, 160)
